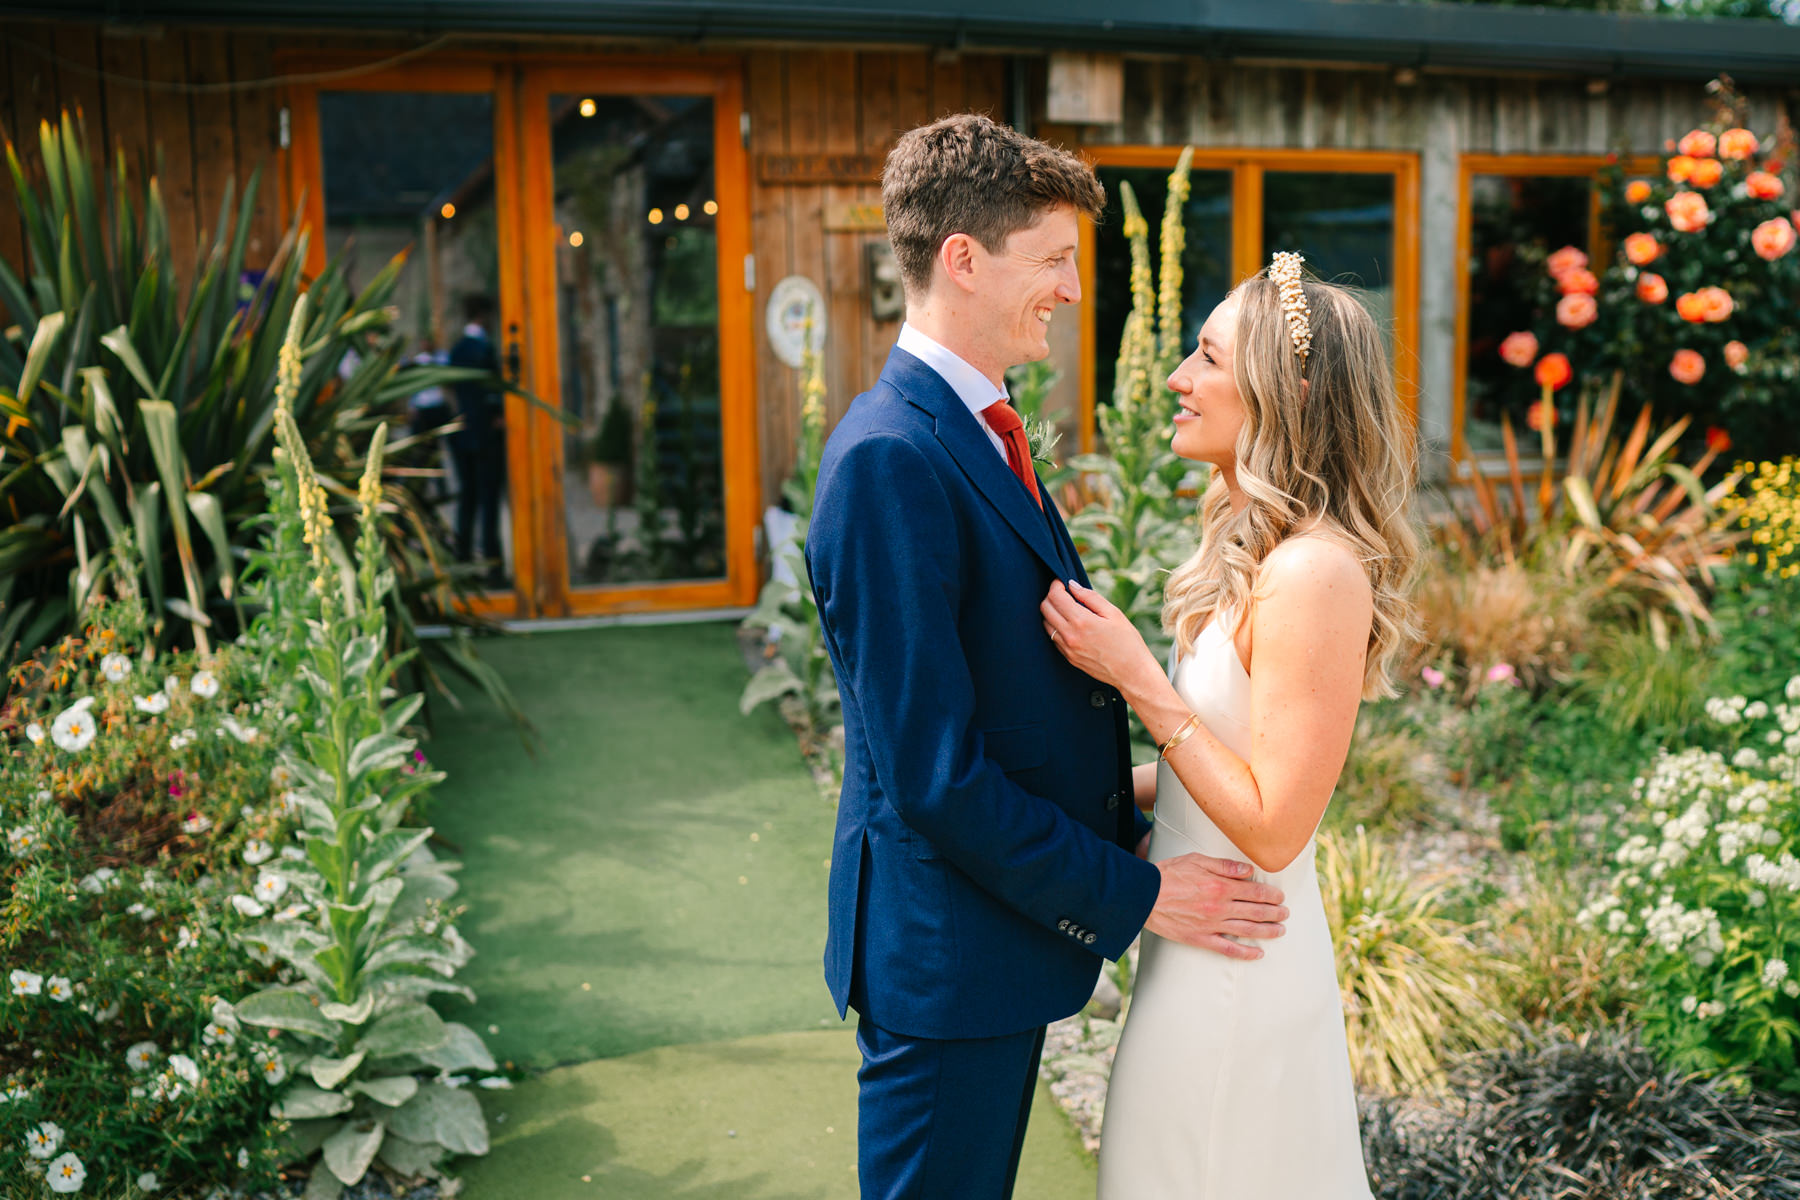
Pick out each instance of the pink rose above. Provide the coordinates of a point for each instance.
(1501, 673)
(1433, 677)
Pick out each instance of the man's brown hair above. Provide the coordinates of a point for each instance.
(968, 174)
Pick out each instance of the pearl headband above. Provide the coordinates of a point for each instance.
(1284, 270)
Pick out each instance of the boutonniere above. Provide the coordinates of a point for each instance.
(1041, 437)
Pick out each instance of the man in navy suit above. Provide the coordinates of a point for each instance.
(984, 855)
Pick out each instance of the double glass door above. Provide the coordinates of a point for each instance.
(581, 230)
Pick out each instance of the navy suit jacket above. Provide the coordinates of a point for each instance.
(983, 859)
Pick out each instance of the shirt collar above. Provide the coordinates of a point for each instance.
(972, 387)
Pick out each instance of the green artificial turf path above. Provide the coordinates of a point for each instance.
(647, 904)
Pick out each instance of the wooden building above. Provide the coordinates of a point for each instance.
(650, 191)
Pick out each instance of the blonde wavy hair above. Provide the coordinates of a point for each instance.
(1333, 458)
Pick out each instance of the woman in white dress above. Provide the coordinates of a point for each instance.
(1232, 1079)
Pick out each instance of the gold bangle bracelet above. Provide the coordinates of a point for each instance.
(1181, 735)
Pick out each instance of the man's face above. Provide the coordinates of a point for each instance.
(1019, 288)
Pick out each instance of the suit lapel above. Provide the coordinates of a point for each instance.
(959, 431)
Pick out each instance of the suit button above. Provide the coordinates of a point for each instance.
(1113, 801)
(1091, 938)
(1097, 698)
(1063, 925)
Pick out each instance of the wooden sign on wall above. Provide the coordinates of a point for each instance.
(819, 168)
(854, 218)
(1086, 89)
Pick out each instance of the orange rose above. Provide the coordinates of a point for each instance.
(1700, 144)
(1577, 310)
(1707, 172)
(1717, 440)
(1541, 416)
(1691, 307)
(1716, 304)
(1687, 211)
(1687, 367)
(1773, 238)
(1642, 248)
(1736, 355)
(1637, 191)
(1681, 169)
(1763, 186)
(1580, 280)
(1519, 349)
(1737, 144)
(1553, 371)
(1565, 260)
(1652, 288)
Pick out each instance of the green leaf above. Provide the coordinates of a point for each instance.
(378, 752)
(304, 1101)
(119, 342)
(412, 1029)
(391, 1090)
(286, 1008)
(206, 510)
(37, 358)
(356, 1013)
(463, 1050)
(411, 1158)
(445, 1115)
(350, 1150)
(775, 679)
(328, 1073)
(388, 851)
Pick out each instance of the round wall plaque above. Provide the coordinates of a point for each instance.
(789, 301)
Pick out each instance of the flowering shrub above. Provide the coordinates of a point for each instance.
(1707, 890)
(1699, 306)
(1768, 508)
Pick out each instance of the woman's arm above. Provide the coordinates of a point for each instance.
(1309, 635)
(1143, 785)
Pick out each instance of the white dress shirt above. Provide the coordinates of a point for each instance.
(970, 385)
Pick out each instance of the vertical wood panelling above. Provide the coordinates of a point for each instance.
(12, 231)
(777, 394)
(845, 301)
(172, 132)
(878, 127)
(947, 95)
(127, 105)
(214, 138)
(78, 79)
(255, 124)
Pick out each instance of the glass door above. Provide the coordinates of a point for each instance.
(637, 236)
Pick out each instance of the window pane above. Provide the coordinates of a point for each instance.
(638, 306)
(1516, 220)
(1206, 262)
(413, 172)
(1343, 223)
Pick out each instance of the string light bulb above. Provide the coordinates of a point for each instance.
(681, 212)
(575, 239)
(588, 107)
(448, 211)
(710, 208)
(656, 216)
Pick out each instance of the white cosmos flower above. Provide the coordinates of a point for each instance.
(280, 776)
(43, 1140)
(269, 888)
(185, 939)
(58, 988)
(155, 702)
(35, 733)
(274, 1067)
(109, 1012)
(115, 667)
(142, 912)
(217, 1033)
(148, 1182)
(21, 840)
(140, 1056)
(257, 852)
(247, 906)
(196, 823)
(74, 729)
(26, 983)
(99, 881)
(205, 685)
(184, 1067)
(67, 1174)
(182, 740)
(243, 733)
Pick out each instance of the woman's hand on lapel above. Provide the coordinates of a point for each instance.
(1097, 637)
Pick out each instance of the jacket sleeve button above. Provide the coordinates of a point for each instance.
(1098, 698)
(1063, 925)
(1091, 938)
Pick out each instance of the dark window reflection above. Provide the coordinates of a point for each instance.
(1343, 223)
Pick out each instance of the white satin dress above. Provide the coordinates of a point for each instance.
(1232, 1079)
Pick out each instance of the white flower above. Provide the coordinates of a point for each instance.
(1792, 691)
(140, 1056)
(1710, 1009)
(243, 1157)
(21, 840)
(269, 888)
(243, 733)
(257, 852)
(292, 912)
(1745, 758)
(185, 939)
(58, 988)
(222, 1030)
(74, 729)
(495, 1083)
(115, 667)
(184, 1067)
(196, 823)
(42, 1140)
(109, 1012)
(142, 912)
(155, 702)
(1774, 971)
(170, 683)
(1689, 1003)
(148, 1182)
(67, 1174)
(247, 906)
(35, 733)
(99, 881)
(205, 685)
(26, 983)
(274, 1067)
(1790, 987)
(182, 740)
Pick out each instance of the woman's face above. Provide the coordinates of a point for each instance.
(1210, 412)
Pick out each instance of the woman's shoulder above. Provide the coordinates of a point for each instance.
(1315, 563)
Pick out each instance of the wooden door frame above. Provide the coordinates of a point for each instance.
(1248, 167)
(1543, 166)
(518, 81)
(721, 79)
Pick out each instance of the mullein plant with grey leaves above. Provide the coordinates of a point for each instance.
(359, 915)
(1139, 519)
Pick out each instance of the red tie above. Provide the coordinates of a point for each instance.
(1004, 421)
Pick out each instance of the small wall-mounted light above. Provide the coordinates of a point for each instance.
(588, 107)
(448, 211)
(575, 239)
(710, 208)
(681, 212)
(656, 216)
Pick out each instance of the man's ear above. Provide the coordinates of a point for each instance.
(959, 256)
